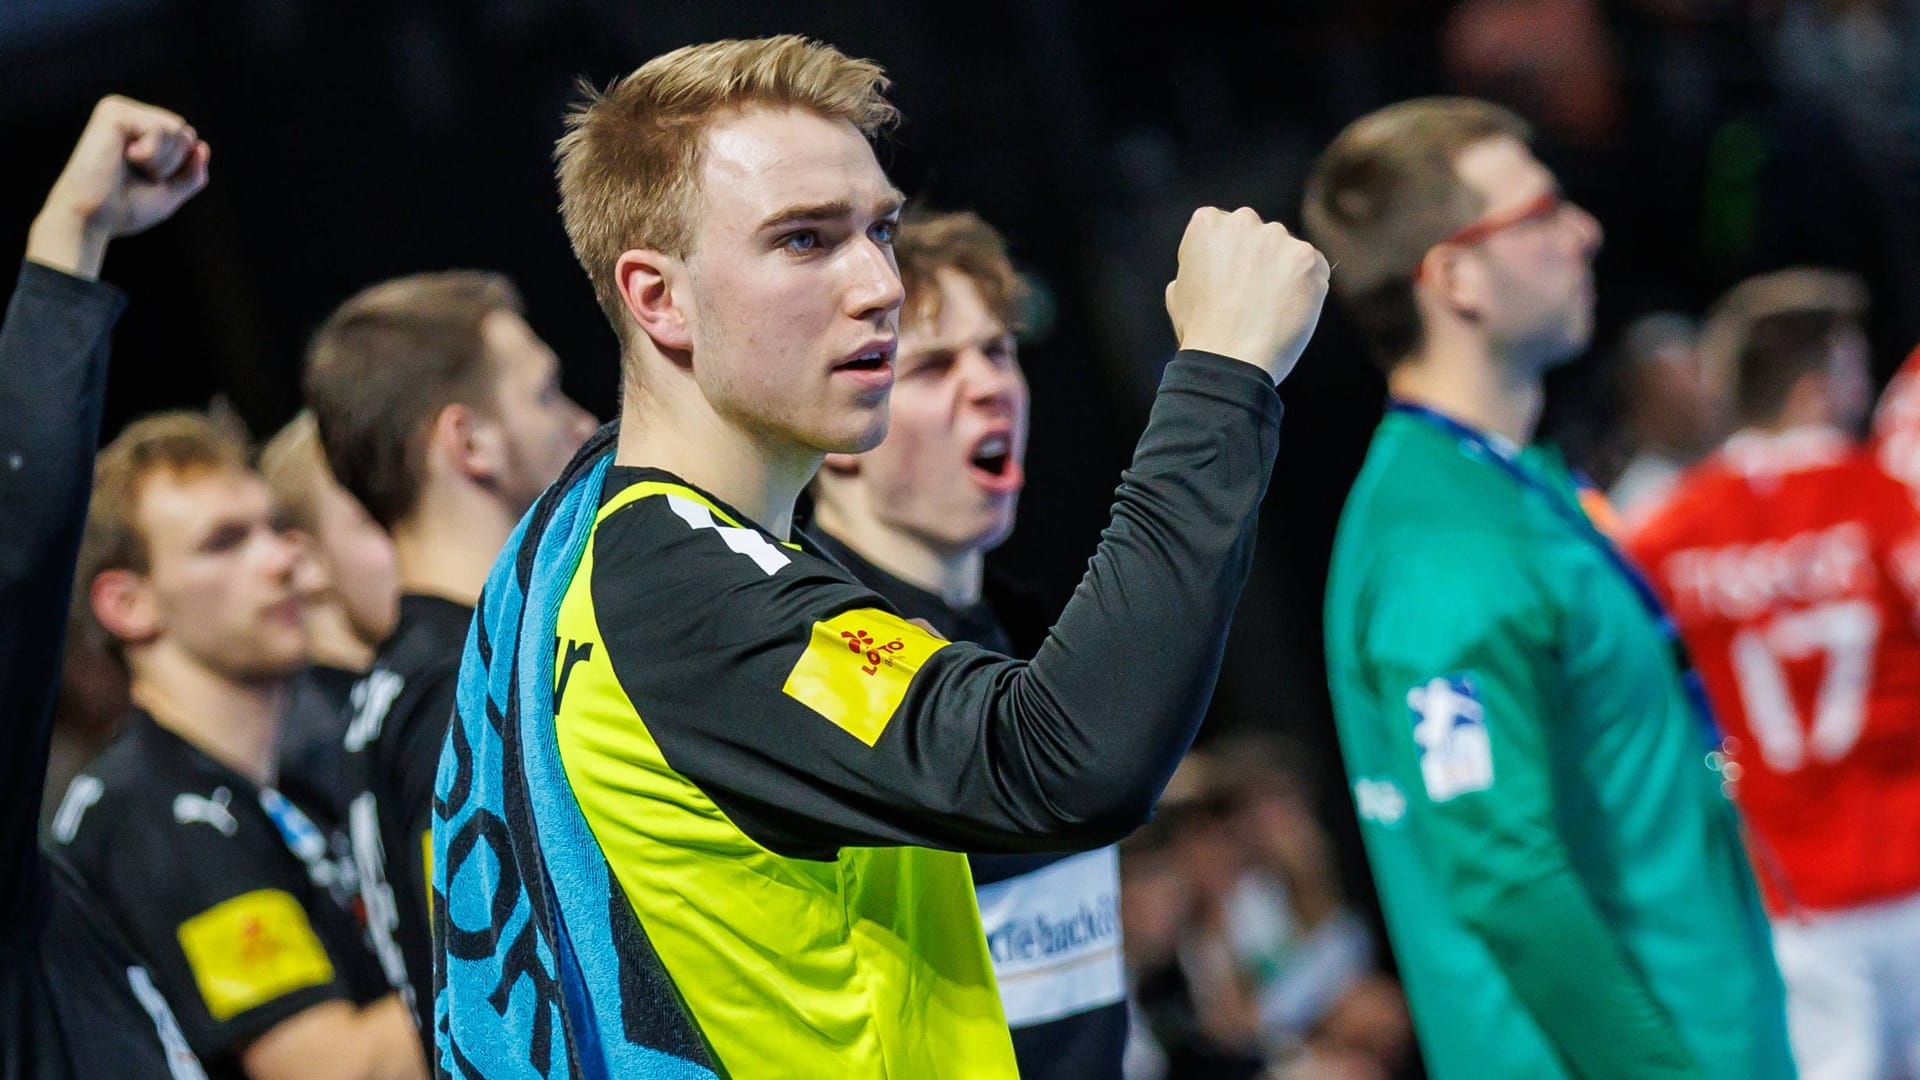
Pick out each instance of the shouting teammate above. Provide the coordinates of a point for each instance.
(1563, 881)
(1792, 563)
(440, 410)
(241, 903)
(913, 519)
(702, 807)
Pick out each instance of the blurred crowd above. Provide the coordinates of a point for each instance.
(1245, 957)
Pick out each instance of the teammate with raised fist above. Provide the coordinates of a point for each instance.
(76, 1000)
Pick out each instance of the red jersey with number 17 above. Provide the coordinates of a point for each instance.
(1792, 565)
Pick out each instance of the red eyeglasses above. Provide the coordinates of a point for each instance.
(1538, 209)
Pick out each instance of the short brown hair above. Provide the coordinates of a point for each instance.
(962, 241)
(1732, 319)
(383, 366)
(1383, 193)
(1778, 351)
(181, 445)
(629, 163)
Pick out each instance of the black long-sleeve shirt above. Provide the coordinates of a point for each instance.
(74, 999)
(763, 750)
(1052, 920)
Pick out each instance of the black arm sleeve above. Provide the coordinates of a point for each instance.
(231, 945)
(754, 683)
(53, 370)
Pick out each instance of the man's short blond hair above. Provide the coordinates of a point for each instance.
(294, 465)
(964, 243)
(629, 163)
(1384, 192)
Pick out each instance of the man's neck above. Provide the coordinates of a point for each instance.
(447, 547)
(331, 640)
(1806, 410)
(1474, 389)
(235, 723)
(955, 579)
(702, 449)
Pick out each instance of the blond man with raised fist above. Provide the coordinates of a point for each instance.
(725, 785)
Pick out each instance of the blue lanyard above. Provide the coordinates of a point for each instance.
(296, 829)
(1475, 444)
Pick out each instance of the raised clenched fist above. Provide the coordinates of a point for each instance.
(1247, 288)
(134, 165)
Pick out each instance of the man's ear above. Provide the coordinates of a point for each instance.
(123, 603)
(653, 286)
(842, 465)
(468, 443)
(1454, 281)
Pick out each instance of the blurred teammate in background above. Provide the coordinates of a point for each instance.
(1562, 879)
(1896, 425)
(1672, 412)
(244, 907)
(441, 413)
(913, 519)
(1792, 563)
(77, 1000)
(354, 602)
(349, 601)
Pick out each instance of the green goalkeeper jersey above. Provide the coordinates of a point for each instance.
(1563, 880)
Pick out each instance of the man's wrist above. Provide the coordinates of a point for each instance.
(1234, 350)
(67, 240)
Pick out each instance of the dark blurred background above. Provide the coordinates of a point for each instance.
(1712, 138)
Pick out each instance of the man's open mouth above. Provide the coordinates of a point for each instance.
(875, 360)
(993, 455)
(992, 464)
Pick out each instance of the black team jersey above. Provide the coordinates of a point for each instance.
(76, 1000)
(397, 719)
(117, 1021)
(1052, 920)
(313, 764)
(245, 909)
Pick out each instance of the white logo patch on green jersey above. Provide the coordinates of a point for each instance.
(1379, 800)
(1450, 737)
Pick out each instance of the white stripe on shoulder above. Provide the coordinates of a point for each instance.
(741, 541)
(82, 793)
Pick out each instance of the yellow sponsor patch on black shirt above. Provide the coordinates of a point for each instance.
(251, 949)
(856, 669)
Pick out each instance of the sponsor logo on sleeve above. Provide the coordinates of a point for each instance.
(856, 669)
(1450, 737)
(249, 950)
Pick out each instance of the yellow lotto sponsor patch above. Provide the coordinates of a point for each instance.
(856, 669)
(251, 949)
